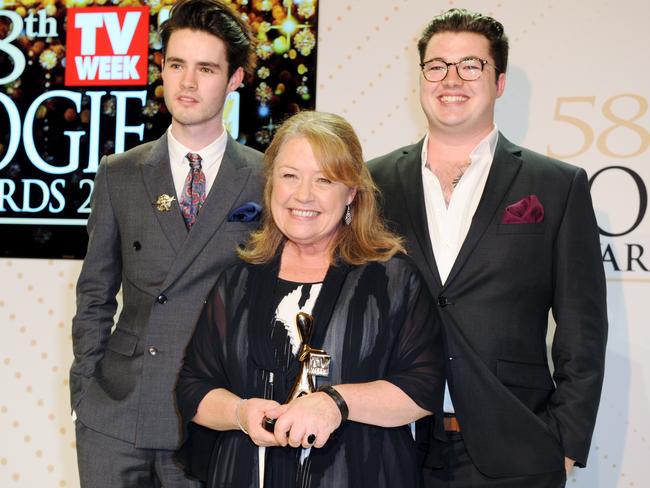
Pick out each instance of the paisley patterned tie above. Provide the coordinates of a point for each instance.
(193, 195)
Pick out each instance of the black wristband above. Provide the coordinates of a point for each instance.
(338, 399)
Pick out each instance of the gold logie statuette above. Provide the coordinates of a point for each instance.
(313, 362)
(305, 381)
(164, 202)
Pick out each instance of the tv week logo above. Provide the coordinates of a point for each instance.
(107, 46)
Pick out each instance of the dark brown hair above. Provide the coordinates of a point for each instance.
(462, 20)
(216, 18)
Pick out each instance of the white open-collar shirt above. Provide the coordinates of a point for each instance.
(448, 225)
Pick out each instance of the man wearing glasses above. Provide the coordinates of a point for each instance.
(502, 235)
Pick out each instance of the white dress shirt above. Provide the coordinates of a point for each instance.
(211, 156)
(448, 225)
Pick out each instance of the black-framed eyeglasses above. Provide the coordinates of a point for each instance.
(468, 69)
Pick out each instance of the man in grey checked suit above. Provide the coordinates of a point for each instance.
(123, 376)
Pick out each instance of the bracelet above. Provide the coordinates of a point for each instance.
(241, 427)
(338, 399)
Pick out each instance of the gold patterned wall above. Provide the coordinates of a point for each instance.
(36, 309)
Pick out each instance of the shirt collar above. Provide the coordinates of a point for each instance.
(210, 154)
(485, 149)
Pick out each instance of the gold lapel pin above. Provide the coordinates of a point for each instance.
(164, 202)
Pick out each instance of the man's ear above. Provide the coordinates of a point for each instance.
(501, 84)
(236, 79)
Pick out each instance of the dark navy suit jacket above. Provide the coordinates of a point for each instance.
(517, 418)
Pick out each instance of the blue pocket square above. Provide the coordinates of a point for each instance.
(248, 212)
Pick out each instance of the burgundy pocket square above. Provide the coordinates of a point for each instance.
(528, 210)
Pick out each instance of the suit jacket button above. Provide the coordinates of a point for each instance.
(153, 351)
(443, 301)
(161, 299)
(136, 245)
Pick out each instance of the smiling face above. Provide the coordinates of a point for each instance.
(196, 82)
(453, 106)
(306, 205)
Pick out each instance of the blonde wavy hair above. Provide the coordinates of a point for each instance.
(338, 151)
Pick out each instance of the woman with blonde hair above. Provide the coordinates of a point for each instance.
(321, 251)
